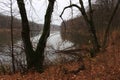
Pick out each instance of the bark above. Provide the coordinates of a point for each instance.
(42, 41)
(35, 58)
(96, 44)
(89, 22)
(26, 35)
(12, 41)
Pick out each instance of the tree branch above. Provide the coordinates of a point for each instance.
(73, 5)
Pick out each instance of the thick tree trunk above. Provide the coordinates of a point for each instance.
(42, 42)
(26, 35)
(35, 58)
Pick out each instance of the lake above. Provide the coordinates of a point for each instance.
(54, 43)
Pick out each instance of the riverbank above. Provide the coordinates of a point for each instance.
(105, 66)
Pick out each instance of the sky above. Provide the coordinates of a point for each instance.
(36, 9)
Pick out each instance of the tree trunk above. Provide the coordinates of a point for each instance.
(89, 22)
(42, 41)
(26, 35)
(12, 41)
(106, 36)
(35, 58)
(96, 44)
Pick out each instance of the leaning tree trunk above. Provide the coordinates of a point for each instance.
(95, 42)
(106, 36)
(42, 42)
(89, 22)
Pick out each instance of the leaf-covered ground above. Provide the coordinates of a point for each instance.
(105, 66)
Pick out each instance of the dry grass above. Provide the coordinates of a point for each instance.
(105, 66)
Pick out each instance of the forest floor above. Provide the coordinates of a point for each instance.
(105, 66)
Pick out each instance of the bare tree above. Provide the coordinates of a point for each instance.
(109, 24)
(89, 22)
(35, 58)
(12, 42)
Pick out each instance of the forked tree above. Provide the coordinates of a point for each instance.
(35, 58)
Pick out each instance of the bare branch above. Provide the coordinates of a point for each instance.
(71, 8)
(63, 22)
(88, 21)
(91, 11)
(72, 5)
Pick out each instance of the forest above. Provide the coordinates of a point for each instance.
(76, 40)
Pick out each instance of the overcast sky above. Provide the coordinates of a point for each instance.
(36, 9)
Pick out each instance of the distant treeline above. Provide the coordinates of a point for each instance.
(5, 22)
(76, 30)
